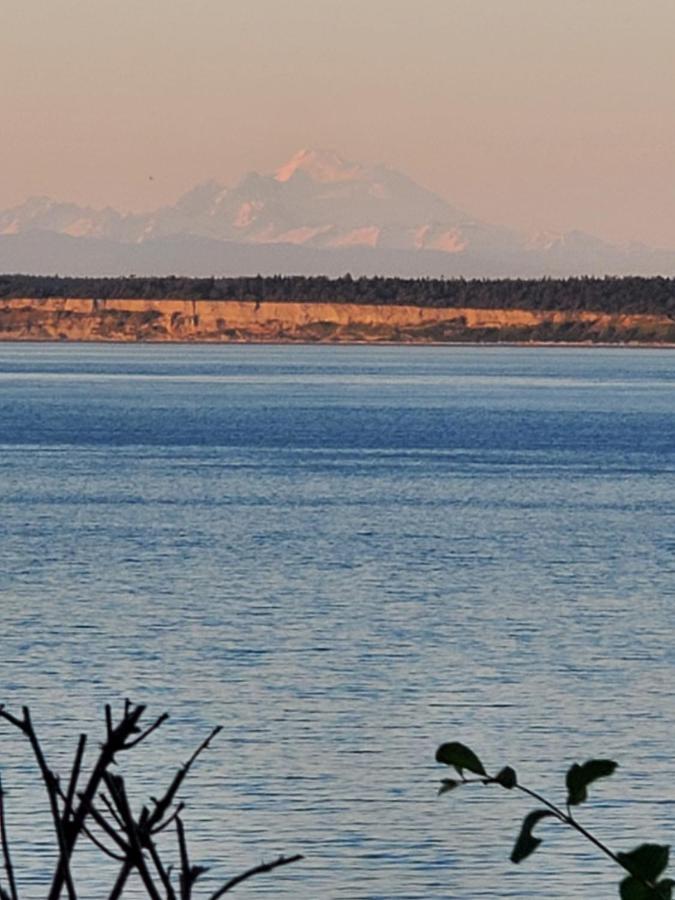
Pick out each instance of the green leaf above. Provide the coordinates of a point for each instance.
(448, 784)
(507, 778)
(579, 777)
(459, 756)
(632, 889)
(527, 843)
(646, 862)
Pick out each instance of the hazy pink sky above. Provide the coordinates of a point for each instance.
(541, 114)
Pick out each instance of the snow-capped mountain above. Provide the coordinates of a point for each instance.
(369, 219)
(315, 199)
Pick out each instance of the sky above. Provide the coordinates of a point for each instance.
(539, 114)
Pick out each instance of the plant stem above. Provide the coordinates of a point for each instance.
(568, 819)
(5, 847)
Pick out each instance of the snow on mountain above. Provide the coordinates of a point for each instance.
(322, 202)
(317, 198)
(319, 166)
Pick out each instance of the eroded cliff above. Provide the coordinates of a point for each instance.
(74, 319)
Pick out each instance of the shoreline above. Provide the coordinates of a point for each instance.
(533, 345)
(176, 320)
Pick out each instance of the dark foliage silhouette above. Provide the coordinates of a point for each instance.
(644, 865)
(94, 805)
(609, 295)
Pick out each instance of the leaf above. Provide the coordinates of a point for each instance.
(632, 889)
(448, 784)
(507, 778)
(579, 777)
(646, 862)
(527, 843)
(459, 756)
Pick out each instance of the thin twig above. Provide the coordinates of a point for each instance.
(105, 826)
(185, 881)
(51, 783)
(189, 873)
(9, 868)
(136, 834)
(164, 873)
(115, 785)
(256, 870)
(74, 775)
(111, 809)
(155, 725)
(117, 736)
(165, 824)
(569, 819)
(17, 723)
(101, 822)
(118, 887)
(566, 818)
(101, 846)
(122, 876)
(92, 837)
(162, 805)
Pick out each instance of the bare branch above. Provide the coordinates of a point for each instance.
(74, 775)
(256, 870)
(116, 739)
(134, 845)
(51, 786)
(105, 826)
(5, 847)
(101, 846)
(165, 824)
(189, 873)
(164, 873)
(164, 802)
(185, 883)
(121, 880)
(111, 809)
(115, 785)
(17, 723)
(155, 725)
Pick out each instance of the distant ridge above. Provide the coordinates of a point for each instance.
(317, 214)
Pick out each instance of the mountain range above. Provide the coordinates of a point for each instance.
(317, 214)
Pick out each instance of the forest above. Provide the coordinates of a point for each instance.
(652, 296)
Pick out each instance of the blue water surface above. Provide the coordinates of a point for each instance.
(346, 555)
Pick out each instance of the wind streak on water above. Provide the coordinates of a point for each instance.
(347, 556)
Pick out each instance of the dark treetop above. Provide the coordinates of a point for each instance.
(610, 295)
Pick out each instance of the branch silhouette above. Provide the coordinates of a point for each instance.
(644, 865)
(101, 813)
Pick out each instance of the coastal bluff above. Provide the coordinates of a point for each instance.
(214, 321)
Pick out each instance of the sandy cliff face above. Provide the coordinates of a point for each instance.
(54, 319)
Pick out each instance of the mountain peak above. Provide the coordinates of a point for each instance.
(320, 201)
(322, 166)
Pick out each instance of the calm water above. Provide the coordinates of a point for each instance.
(346, 556)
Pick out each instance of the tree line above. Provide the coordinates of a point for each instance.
(632, 295)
